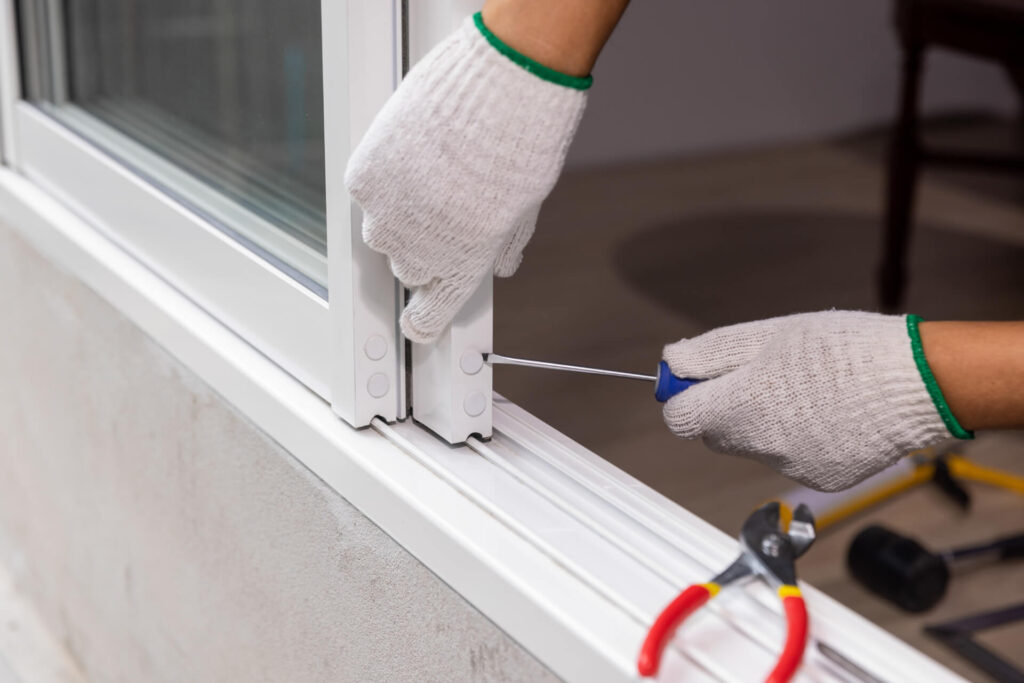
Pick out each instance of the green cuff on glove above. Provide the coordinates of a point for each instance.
(934, 391)
(534, 67)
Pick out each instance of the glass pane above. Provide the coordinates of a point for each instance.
(220, 102)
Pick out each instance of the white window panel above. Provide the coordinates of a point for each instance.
(451, 390)
(265, 306)
(157, 201)
(364, 40)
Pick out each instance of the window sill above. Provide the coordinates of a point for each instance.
(566, 553)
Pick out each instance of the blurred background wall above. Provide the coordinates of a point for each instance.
(707, 75)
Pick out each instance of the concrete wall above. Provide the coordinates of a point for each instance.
(692, 76)
(164, 538)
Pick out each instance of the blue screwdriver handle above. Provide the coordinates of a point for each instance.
(668, 385)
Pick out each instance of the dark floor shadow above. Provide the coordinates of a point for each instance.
(730, 267)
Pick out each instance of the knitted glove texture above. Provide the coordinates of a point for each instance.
(827, 398)
(453, 170)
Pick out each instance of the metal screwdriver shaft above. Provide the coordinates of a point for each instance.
(666, 385)
(496, 359)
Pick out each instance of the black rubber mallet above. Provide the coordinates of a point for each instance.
(907, 574)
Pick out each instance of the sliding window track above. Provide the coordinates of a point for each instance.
(634, 550)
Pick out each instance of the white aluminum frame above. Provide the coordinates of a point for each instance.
(269, 309)
(347, 351)
(368, 379)
(451, 389)
(249, 226)
(10, 82)
(570, 556)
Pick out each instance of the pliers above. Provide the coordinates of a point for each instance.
(767, 552)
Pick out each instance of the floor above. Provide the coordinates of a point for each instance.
(628, 258)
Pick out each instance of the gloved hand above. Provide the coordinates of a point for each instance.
(827, 398)
(452, 172)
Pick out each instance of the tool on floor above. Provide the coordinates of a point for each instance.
(907, 574)
(958, 635)
(767, 552)
(666, 385)
(947, 470)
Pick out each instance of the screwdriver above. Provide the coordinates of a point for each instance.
(666, 385)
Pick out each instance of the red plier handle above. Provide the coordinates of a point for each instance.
(691, 599)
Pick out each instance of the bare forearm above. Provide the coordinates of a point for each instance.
(565, 35)
(980, 368)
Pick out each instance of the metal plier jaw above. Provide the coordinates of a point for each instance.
(768, 552)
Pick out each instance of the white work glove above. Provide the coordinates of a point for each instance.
(452, 172)
(827, 398)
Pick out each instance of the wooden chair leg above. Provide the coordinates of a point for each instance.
(1016, 72)
(903, 168)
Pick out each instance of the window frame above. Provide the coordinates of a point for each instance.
(275, 313)
(10, 83)
(319, 339)
(365, 297)
(569, 555)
